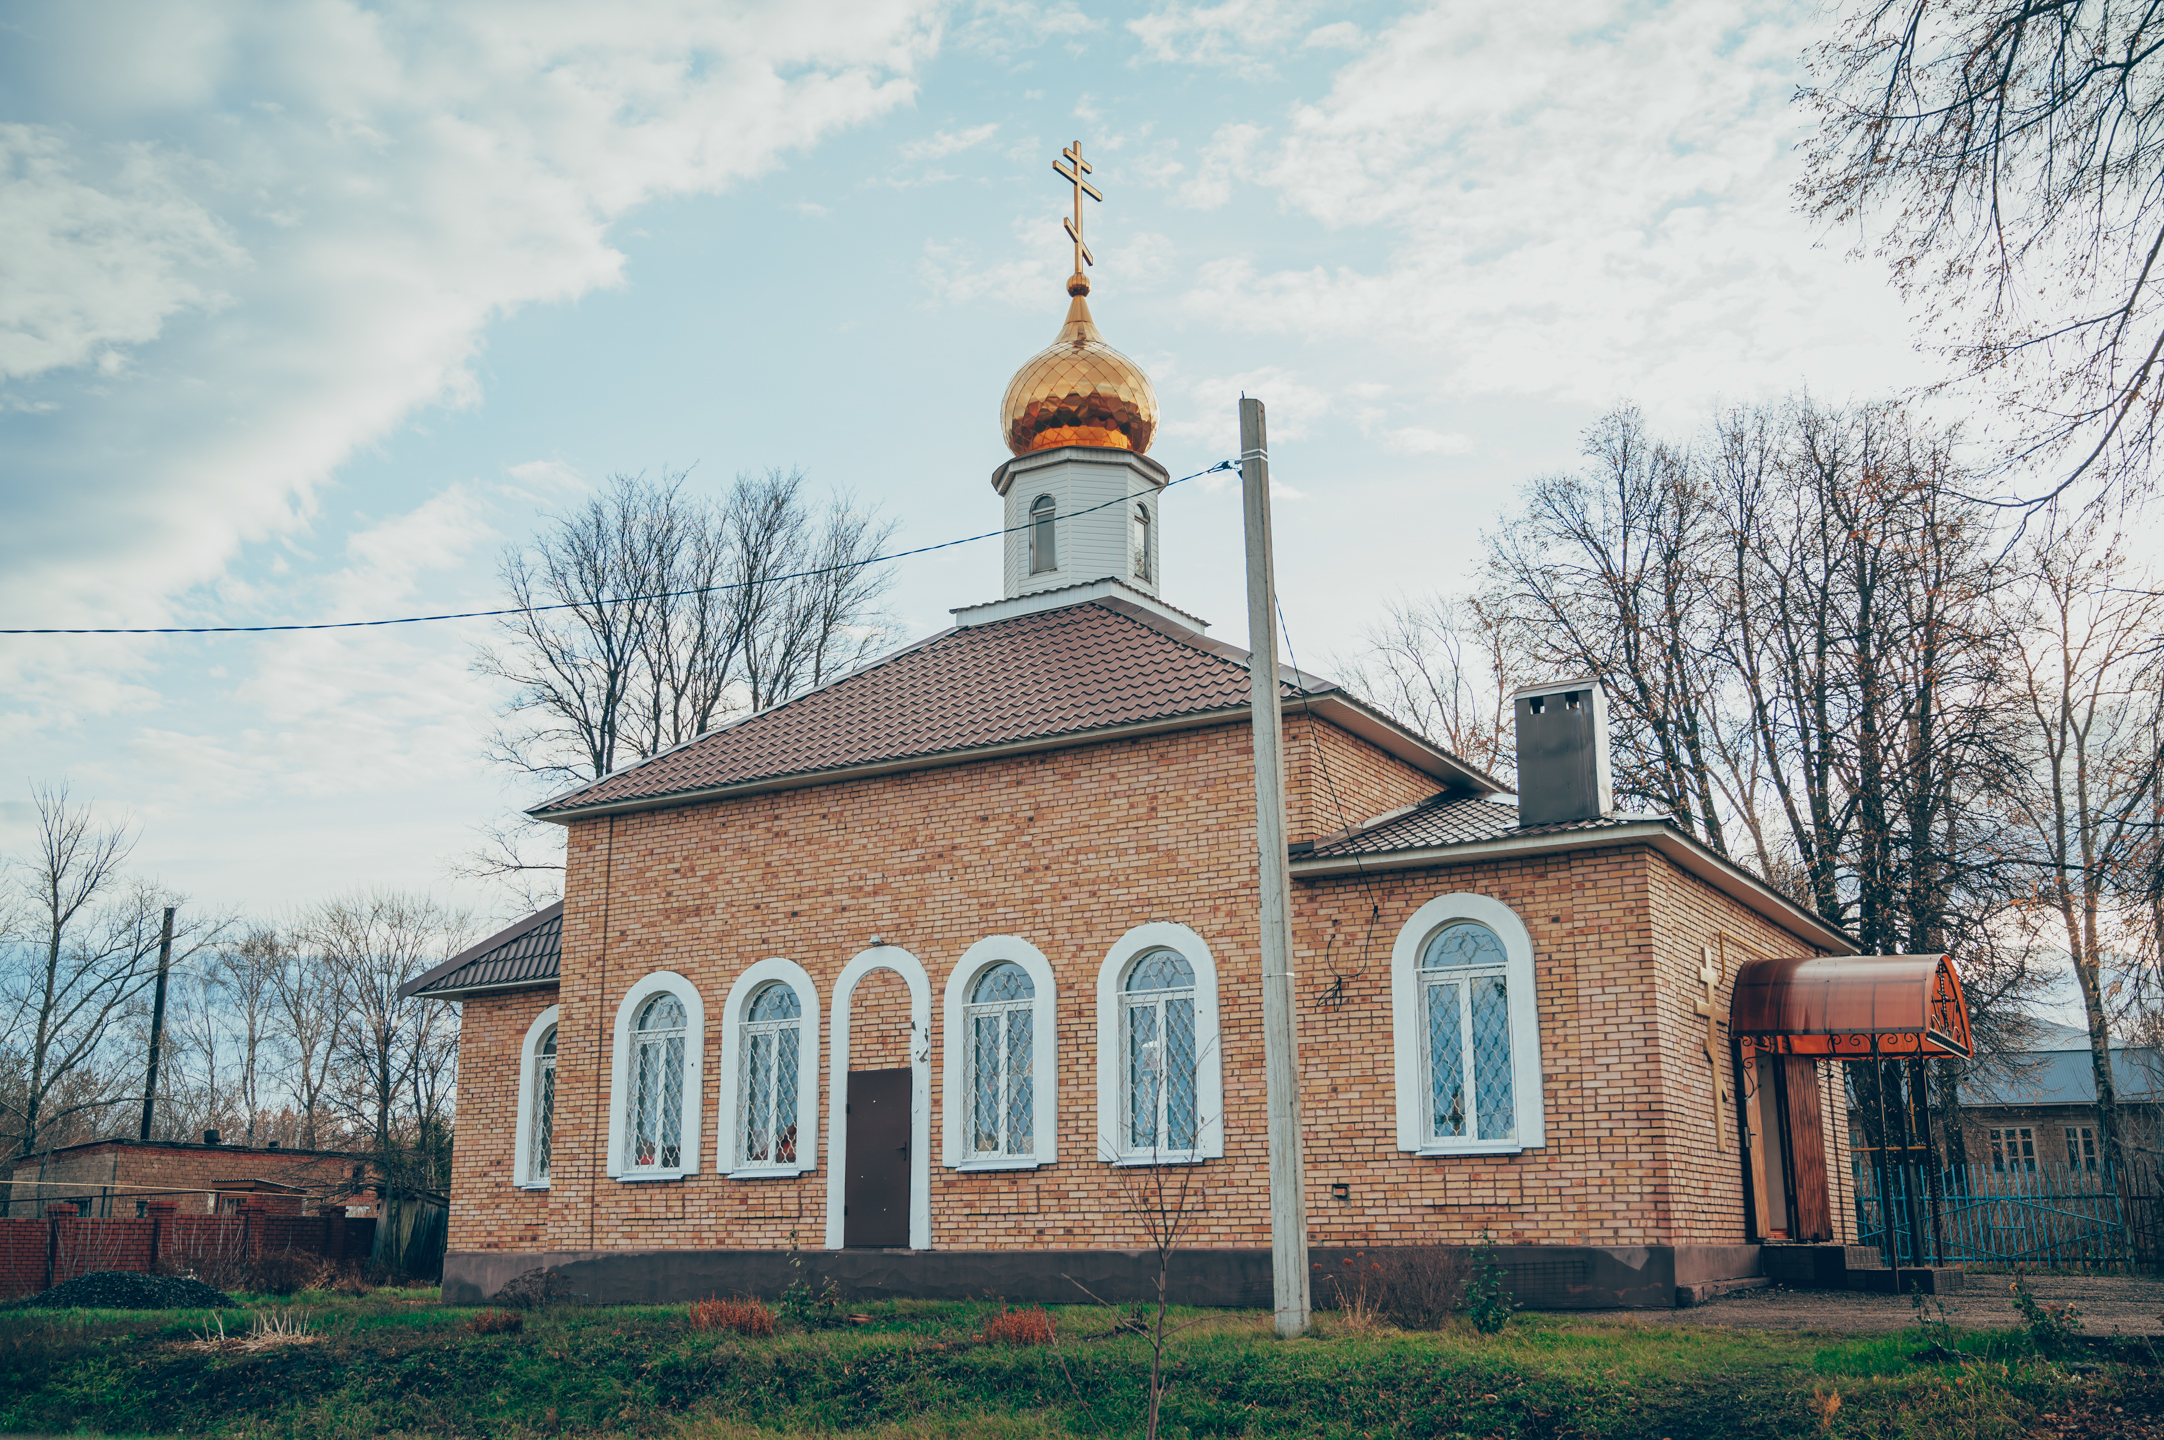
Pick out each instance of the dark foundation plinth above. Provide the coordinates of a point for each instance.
(1852, 1267)
(1541, 1277)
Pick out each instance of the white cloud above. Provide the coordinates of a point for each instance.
(1344, 35)
(1420, 440)
(1234, 33)
(395, 180)
(1578, 202)
(84, 268)
(952, 273)
(1225, 159)
(942, 143)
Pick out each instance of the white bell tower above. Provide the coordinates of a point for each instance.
(1079, 513)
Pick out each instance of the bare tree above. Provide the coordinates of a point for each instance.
(2009, 153)
(89, 950)
(1446, 666)
(396, 1053)
(307, 1004)
(1604, 573)
(651, 614)
(2088, 688)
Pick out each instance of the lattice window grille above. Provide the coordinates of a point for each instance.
(999, 1021)
(1465, 1000)
(541, 1139)
(1159, 1058)
(657, 1096)
(767, 1086)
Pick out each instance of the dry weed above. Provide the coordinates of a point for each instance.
(497, 1322)
(1019, 1327)
(743, 1316)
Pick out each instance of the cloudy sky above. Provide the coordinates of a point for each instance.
(309, 308)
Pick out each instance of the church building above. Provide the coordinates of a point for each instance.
(919, 974)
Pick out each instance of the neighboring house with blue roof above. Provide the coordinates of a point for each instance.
(2045, 1116)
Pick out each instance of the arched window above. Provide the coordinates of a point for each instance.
(1157, 1055)
(654, 1081)
(1002, 1105)
(1002, 1097)
(1141, 528)
(1466, 1030)
(544, 1112)
(1043, 543)
(770, 1073)
(1465, 1002)
(1160, 1092)
(533, 1137)
(770, 1060)
(657, 1094)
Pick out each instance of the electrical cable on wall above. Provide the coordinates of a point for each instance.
(1333, 996)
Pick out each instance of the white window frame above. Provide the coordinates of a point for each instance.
(959, 1055)
(622, 1077)
(1142, 558)
(529, 1095)
(1111, 1030)
(1048, 526)
(906, 965)
(726, 1157)
(1409, 1035)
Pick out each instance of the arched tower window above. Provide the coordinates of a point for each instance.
(1002, 1091)
(1043, 543)
(767, 1087)
(541, 1137)
(657, 1094)
(1158, 1055)
(1140, 527)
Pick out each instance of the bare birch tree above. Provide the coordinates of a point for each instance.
(2088, 689)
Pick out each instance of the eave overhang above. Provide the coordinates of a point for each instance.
(1687, 854)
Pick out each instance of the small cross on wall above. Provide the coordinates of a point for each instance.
(1709, 1008)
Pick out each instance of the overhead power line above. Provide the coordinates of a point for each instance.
(574, 604)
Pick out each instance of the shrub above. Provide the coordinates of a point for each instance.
(283, 1273)
(1417, 1286)
(744, 1316)
(497, 1322)
(1019, 1327)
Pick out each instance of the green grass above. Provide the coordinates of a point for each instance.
(387, 1365)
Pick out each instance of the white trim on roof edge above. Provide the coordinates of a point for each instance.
(1687, 853)
(1080, 593)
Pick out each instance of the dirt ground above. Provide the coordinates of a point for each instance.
(2109, 1305)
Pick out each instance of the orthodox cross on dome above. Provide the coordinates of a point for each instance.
(1708, 1007)
(1077, 283)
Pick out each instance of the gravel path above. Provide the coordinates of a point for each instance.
(2109, 1305)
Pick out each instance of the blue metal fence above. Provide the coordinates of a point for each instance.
(2049, 1218)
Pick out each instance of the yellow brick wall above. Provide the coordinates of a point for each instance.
(489, 1211)
(1070, 849)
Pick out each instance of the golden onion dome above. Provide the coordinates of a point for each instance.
(1079, 391)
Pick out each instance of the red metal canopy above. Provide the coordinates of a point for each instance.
(1851, 1007)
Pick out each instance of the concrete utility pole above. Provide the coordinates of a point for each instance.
(1280, 1023)
(157, 1021)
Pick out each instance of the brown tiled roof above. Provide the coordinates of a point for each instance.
(1450, 820)
(529, 952)
(1049, 673)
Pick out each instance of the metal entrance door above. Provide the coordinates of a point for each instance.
(875, 1189)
